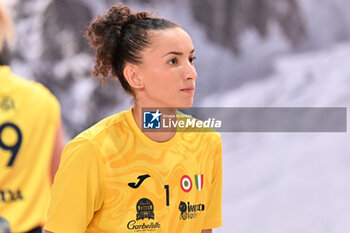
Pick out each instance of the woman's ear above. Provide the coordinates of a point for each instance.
(133, 77)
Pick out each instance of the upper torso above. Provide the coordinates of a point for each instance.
(146, 186)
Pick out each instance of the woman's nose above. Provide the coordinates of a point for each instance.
(190, 72)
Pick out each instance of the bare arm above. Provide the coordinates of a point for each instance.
(57, 151)
(203, 231)
(56, 154)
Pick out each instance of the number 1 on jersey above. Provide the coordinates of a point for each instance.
(167, 194)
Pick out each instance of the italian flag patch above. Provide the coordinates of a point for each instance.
(199, 181)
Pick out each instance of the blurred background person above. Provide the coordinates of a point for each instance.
(30, 143)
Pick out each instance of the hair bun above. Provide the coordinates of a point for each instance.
(110, 24)
(119, 14)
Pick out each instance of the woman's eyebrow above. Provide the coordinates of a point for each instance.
(173, 52)
(177, 53)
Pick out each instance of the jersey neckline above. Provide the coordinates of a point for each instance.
(151, 143)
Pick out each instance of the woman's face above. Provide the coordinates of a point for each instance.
(167, 71)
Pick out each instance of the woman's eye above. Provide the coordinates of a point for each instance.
(191, 59)
(173, 61)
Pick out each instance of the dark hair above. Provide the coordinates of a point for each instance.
(119, 36)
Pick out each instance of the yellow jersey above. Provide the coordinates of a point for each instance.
(29, 116)
(113, 178)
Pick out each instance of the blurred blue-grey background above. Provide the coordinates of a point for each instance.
(250, 53)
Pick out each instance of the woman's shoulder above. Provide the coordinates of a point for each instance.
(103, 128)
(92, 140)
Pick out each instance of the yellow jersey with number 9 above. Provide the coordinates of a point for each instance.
(29, 116)
(113, 178)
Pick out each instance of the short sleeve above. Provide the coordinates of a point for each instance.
(78, 190)
(213, 218)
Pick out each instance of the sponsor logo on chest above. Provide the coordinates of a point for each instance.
(188, 211)
(144, 210)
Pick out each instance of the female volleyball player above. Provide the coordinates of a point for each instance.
(113, 177)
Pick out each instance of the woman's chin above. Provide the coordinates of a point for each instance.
(185, 105)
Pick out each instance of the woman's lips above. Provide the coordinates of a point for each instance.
(188, 90)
